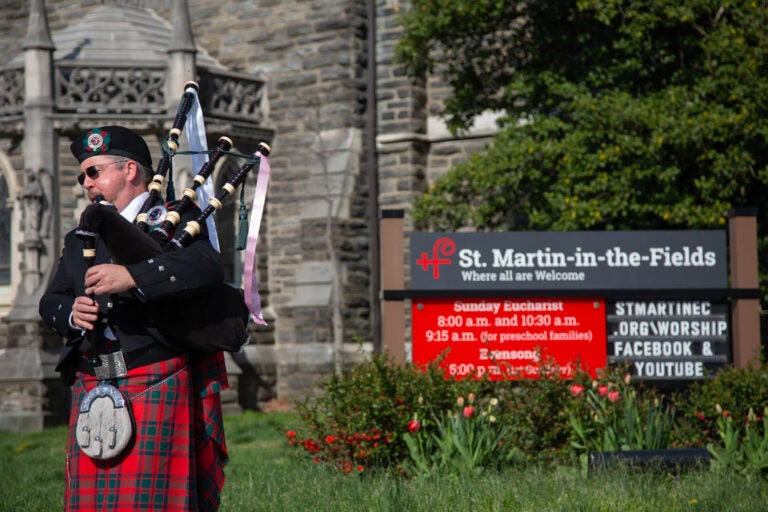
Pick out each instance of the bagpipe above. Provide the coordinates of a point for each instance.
(171, 146)
(213, 319)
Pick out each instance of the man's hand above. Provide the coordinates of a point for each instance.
(108, 278)
(85, 312)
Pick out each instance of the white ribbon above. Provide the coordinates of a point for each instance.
(195, 129)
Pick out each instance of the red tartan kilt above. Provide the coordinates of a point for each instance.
(158, 470)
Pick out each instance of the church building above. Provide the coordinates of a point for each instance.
(351, 136)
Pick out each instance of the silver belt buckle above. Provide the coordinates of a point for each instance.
(112, 366)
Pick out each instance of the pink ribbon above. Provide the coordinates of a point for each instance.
(250, 275)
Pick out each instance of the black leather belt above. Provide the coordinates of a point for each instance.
(134, 359)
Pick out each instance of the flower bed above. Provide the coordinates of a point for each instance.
(377, 415)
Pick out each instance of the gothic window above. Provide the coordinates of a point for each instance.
(5, 234)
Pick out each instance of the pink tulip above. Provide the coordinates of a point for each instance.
(602, 390)
(577, 390)
(469, 411)
(613, 396)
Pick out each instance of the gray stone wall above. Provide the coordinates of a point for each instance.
(312, 54)
(30, 384)
(13, 26)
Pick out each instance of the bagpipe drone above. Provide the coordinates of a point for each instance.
(216, 318)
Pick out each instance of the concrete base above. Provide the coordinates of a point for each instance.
(21, 422)
(672, 458)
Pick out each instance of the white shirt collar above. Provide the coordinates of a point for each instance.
(134, 207)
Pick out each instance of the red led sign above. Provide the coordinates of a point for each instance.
(509, 338)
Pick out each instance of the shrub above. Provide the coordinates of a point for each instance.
(359, 419)
(744, 450)
(356, 420)
(736, 390)
(536, 414)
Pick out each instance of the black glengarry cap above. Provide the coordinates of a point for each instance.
(114, 141)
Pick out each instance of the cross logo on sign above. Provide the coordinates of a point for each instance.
(442, 247)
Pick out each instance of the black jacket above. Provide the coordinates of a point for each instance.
(178, 273)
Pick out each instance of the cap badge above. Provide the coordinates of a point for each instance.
(97, 141)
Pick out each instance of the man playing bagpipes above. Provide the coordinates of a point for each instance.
(146, 428)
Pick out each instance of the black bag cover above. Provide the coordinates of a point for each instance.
(211, 320)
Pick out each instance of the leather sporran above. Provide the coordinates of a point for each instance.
(104, 424)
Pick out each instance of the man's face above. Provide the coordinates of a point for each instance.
(103, 175)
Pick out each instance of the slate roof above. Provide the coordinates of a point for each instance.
(119, 34)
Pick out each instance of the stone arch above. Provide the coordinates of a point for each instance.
(9, 217)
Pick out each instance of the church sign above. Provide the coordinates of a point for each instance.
(508, 338)
(668, 340)
(588, 260)
(506, 305)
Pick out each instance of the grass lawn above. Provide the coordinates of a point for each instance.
(265, 474)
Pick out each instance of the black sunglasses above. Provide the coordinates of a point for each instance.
(93, 172)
